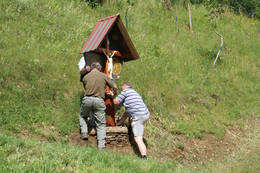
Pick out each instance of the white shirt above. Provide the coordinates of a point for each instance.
(81, 63)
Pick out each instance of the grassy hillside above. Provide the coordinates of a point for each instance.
(20, 156)
(40, 89)
(177, 78)
(17, 155)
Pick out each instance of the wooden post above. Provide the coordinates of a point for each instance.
(220, 47)
(177, 18)
(189, 12)
(126, 13)
(110, 111)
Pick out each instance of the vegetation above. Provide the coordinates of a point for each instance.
(40, 89)
(191, 96)
(19, 156)
(248, 7)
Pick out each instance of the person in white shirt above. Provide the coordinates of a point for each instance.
(83, 68)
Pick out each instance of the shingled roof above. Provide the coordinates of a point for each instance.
(113, 28)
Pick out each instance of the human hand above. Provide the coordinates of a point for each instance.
(88, 69)
(110, 93)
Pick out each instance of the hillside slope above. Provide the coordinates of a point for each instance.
(40, 89)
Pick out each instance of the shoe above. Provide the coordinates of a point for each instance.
(84, 136)
(144, 157)
(102, 149)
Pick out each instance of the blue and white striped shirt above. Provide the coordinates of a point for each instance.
(133, 102)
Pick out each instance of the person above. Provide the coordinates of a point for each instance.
(137, 111)
(93, 101)
(83, 68)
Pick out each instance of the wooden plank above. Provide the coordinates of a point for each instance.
(101, 50)
(117, 129)
(127, 39)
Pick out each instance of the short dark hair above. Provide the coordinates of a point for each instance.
(96, 65)
(127, 83)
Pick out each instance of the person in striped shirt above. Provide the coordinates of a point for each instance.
(137, 111)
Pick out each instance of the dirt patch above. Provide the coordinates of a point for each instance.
(41, 131)
(74, 139)
(210, 147)
(184, 149)
(121, 146)
(194, 150)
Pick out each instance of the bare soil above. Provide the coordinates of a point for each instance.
(74, 139)
(176, 146)
(210, 148)
(188, 150)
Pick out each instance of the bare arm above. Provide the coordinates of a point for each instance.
(115, 89)
(116, 102)
(111, 84)
(124, 117)
(85, 70)
(112, 93)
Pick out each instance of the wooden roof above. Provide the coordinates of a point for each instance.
(113, 28)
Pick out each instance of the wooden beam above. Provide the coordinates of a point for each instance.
(127, 39)
(102, 50)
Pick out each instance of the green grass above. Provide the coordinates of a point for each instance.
(246, 160)
(39, 50)
(177, 78)
(40, 43)
(32, 156)
(18, 155)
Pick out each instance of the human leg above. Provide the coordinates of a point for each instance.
(138, 129)
(91, 123)
(83, 124)
(100, 120)
(141, 146)
(84, 113)
(91, 119)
